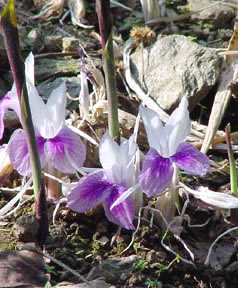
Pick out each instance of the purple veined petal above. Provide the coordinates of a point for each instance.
(190, 159)
(10, 101)
(156, 174)
(1, 120)
(178, 126)
(156, 135)
(90, 191)
(56, 150)
(18, 152)
(123, 213)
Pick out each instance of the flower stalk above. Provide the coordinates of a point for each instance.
(105, 26)
(8, 23)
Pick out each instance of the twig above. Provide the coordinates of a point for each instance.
(214, 243)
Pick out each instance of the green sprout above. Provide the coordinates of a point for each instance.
(141, 265)
(153, 283)
(233, 170)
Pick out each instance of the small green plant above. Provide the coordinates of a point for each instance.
(51, 270)
(153, 283)
(160, 267)
(192, 38)
(136, 246)
(141, 265)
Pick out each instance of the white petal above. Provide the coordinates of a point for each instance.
(217, 199)
(55, 111)
(126, 162)
(37, 106)
(29, 68)
(178, 126)
(84, 95)
(108, 151)
(154, 130)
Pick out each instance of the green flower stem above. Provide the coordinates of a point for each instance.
(233, 170)
(105, 26)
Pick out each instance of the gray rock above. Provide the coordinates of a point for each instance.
(3, 88)
(48, 68)
(219, 15)
(73, 88)
(173, 67)
(34, 39)
(114, 269)
(72, 84)
(3, 54)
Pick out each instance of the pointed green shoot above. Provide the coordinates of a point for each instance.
(233, 170)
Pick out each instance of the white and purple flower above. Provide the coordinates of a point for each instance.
(58, 145)
(167, 148)
(108, 184)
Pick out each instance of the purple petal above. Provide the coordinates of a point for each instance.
(18, 152)
(66, 151)
(90, 191)
(1, 121)
(9, 101)
(190, 159)
(156, 174)
(124, 212)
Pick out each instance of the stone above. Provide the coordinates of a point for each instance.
(26, 228)
(34, 39)
(3, 54)
(173, 67)
(71, 44)
(48, 68)
(115, 270)
(219, 15)
(22, 269)
(3, 88)
(72, 84)
(73, 87)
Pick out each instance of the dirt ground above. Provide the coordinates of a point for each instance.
(89, 244)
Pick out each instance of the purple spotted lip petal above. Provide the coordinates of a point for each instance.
(90, 191)
(123, 213)
(156, 174)
(66, 151)
(94, 189)
(190, 159)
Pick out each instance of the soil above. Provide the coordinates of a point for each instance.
(85, 242)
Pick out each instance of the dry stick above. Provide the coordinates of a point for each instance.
(223, 95)
(214, 243)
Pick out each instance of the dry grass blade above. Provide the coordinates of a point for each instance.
(223, 95)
